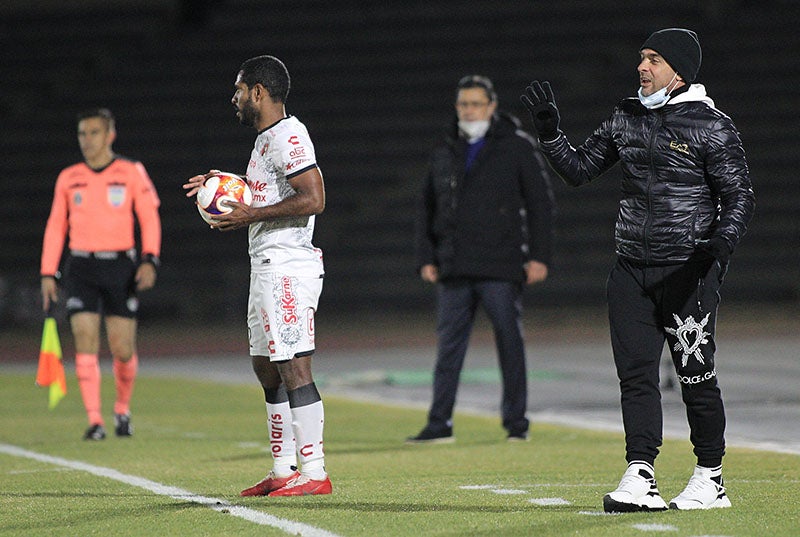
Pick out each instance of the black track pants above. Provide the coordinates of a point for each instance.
(646, 305)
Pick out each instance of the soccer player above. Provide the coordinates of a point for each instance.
(686, 202)
(285, 277)
(95, 203)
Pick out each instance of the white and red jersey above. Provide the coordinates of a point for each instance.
(281, 152)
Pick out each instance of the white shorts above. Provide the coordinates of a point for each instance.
(280, 315)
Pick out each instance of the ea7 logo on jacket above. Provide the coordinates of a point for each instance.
(680, 147)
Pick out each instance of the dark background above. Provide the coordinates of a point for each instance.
(373, 82)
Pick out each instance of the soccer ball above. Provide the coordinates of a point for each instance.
(221, 187)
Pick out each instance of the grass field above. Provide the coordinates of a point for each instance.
(198, 443)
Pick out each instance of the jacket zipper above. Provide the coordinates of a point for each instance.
(650, 180)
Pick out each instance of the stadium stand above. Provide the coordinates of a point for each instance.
(374, 83)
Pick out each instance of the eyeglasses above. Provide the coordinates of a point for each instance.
(472, 104)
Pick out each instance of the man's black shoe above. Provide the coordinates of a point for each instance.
(429, 436)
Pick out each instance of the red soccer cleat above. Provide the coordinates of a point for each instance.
(304, 486)
(268, 484)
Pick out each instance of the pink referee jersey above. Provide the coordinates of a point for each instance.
(96, 209)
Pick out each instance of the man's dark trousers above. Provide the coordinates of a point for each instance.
(458, 300)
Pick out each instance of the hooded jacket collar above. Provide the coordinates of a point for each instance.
(695, 92)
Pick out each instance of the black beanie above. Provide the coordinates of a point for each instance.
(681, 49)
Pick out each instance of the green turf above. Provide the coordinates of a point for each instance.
(208, 438)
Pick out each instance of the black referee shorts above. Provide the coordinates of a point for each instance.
(97, 283)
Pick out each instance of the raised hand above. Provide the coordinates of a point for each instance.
(541, 104)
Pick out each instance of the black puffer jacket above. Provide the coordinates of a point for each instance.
(685, 182)
(488, 222)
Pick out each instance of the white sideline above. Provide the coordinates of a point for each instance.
(251, 515)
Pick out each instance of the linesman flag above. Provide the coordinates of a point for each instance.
(51, 368)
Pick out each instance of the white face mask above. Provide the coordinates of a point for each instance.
(474, 130)
(657, 99)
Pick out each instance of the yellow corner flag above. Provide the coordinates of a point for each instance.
(51, 369)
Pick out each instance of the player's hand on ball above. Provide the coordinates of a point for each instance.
(193, 184)
(241, 216)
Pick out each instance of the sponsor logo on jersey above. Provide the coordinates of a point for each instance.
(297, 152)
(295, 164)
(259, 190)
(258, 186)
(294, 140)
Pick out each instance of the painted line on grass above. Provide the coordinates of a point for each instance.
(495, 489)
(221, 506)
(549, 501)
(654, 527)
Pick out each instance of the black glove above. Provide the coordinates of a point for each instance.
(541, 104)
(716, 248)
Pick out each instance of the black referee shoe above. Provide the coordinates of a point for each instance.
(95, 432)
(122, 425)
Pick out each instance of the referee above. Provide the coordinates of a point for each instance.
(94, 205)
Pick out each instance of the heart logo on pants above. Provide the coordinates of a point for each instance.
(690, 335)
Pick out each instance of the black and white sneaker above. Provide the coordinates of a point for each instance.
(430, 436)
(122, 425)
(95, 432)
(705, 490)
(637, 491)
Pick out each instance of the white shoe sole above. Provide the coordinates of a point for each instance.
(610, 505)
(719, 503)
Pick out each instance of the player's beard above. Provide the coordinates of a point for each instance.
(248, 114)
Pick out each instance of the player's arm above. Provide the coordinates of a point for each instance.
(308, 199)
